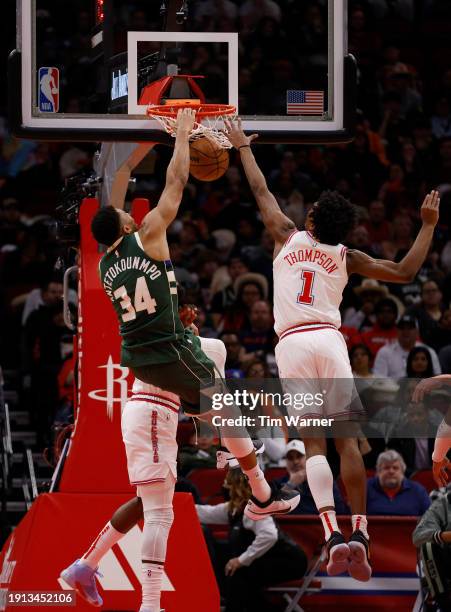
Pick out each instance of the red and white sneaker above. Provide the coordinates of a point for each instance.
(359, 565)
(338, 554)
(282, 501)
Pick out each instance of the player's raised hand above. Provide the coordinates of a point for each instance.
(234, 132)
(424, 387)
(430, 208)
(441, 471)
(185, 120)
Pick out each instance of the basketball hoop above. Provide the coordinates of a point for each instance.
(209, 118)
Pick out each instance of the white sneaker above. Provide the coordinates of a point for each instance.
(224, 458)
(282, 501)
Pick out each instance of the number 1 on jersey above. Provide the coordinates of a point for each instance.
(306, 295)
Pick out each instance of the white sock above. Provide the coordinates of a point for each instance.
(257, 481)
(101, 545)
(157, 525)
(321, 483)
(151, 581)
(359, 522)
(243, 447)
(329, 521)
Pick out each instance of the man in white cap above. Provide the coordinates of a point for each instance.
(296, 478)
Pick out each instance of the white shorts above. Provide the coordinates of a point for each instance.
(317, 362)
(149, 428)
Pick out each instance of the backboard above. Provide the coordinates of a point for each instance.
(81, 67)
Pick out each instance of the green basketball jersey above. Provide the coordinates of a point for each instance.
(144, 295)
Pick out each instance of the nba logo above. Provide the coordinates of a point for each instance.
(49, 90)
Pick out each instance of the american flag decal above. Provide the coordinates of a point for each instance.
(300, 102)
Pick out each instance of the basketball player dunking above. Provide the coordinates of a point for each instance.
(138, 277)
(311, 269)
(153, 472)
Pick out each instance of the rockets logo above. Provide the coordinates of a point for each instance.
(116, 376)
(49, 90)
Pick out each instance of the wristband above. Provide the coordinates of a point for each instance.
(244, 146)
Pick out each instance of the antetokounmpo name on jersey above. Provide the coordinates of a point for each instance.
(129, 263)
(313, 256)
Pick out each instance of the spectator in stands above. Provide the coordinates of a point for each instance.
(204, 324)
(258, 338)
(360, 358)
(391, 360)
(351, 336)
(260, 256)
(252, 11)
(256, 554)
(445, 359)
(235, 355)
(12, 228)
(296, 478)
(379, 229)
(413, 437)
(441, 336)
(432, 536)
(224, 298)
(45, 335)
(391, 493)
(200, 452)
(50, 293)
(384, 330)
(369, 293)
(429, 312)
(249, 288)
(419, 363)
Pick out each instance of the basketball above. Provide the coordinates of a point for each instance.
(208, 162)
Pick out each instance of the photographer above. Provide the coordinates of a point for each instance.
(256, 554)
(433, 537)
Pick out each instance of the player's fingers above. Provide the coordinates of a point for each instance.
(426, 200)
(239, 123)
(253, 137)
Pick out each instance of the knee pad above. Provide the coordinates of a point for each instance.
(158, 518)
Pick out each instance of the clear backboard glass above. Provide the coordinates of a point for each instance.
(284, 65)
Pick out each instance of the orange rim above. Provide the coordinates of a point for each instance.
(202, 110)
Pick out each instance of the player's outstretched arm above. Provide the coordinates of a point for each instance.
(158, 219)
(429, 384)
(278, 224)
(405, 270)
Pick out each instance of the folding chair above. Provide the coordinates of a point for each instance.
(293, 590)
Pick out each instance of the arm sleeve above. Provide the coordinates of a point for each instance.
(431, 523)
(265, 538)
(213, 515)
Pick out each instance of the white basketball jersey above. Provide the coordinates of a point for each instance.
(309, 278)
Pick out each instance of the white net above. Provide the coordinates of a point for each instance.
(209, 127)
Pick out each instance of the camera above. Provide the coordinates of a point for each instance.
(83, 185)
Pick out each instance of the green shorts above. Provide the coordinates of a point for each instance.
(185, 377)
